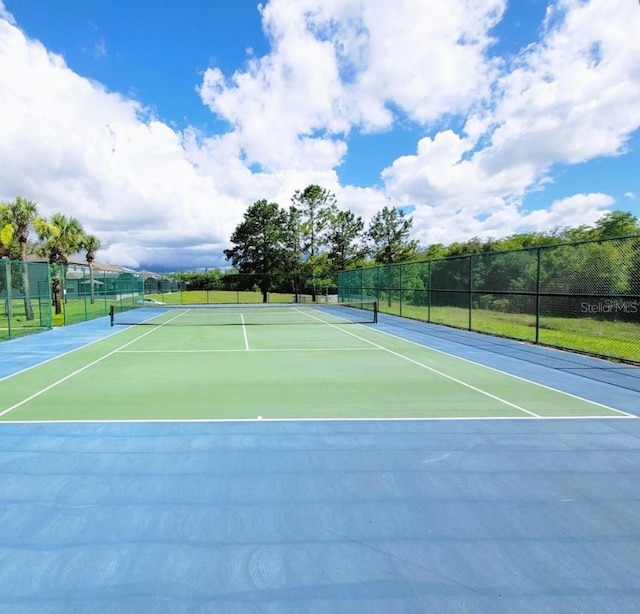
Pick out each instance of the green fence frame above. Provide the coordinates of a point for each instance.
(582, 296)
(89, 292)
(36, 296)
(25, 298)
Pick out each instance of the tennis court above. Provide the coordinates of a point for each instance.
(310, 458)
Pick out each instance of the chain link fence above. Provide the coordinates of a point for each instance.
(25, 298)
(37, 296)
(583, 297)
(89, 292)
(236, 288)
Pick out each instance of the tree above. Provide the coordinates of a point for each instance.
(6, 230)
(260, 249)
(313, 203)
(435, 250)
(295, 246)
(475, 245)
(60, 236)
(389, 234)
(6, 241)
(90, 244)
(22, 213)
(616, 224)
(342, 233)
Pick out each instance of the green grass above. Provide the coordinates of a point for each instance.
(620, 340)
(198, 297)
(18, 322)
(81, 309)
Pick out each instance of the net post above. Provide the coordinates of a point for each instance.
(375, 312)
(111, 314)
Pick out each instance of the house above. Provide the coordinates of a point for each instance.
(105, 279)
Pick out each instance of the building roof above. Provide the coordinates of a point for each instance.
(80, 262)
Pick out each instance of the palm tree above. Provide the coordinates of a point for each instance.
(90, 244)
(59, 236)
(6, 239)
(22, 214)
(62, 236)
(6, 230)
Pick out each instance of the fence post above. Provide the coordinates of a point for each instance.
(429, 296)
(104, 291)
(401, 287)
(7, 264)
(538, 262)
(63, 293)
(470, 288)
(47, 296)
(84, 293)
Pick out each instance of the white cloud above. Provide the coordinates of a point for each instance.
(576, 95)
(157, 195)
(570, 98)
(441, 225)
(74, 147)
(568, 212)
(428, 58)
(338, 66)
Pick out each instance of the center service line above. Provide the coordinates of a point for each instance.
(244, 332)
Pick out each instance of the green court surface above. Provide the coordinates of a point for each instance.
(319, 367)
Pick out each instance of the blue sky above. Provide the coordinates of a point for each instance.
(157, 123)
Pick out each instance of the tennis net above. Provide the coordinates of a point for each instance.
(352, 312)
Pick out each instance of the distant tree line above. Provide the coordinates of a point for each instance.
(583, 261)
(578, 271)
(610, 225)
(300, 249)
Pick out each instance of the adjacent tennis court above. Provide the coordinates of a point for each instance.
(309, 459)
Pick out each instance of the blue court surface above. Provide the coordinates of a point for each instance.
(500, 515)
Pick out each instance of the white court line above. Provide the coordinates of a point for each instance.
(80, 347)
(244, 332)
(335, 320)
(440, 373)
(522, 379)
(374, 345)
(369, 419)
(91, 364)
(298, 310)
(274, 350)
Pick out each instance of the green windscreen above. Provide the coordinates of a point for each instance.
(25, 299)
